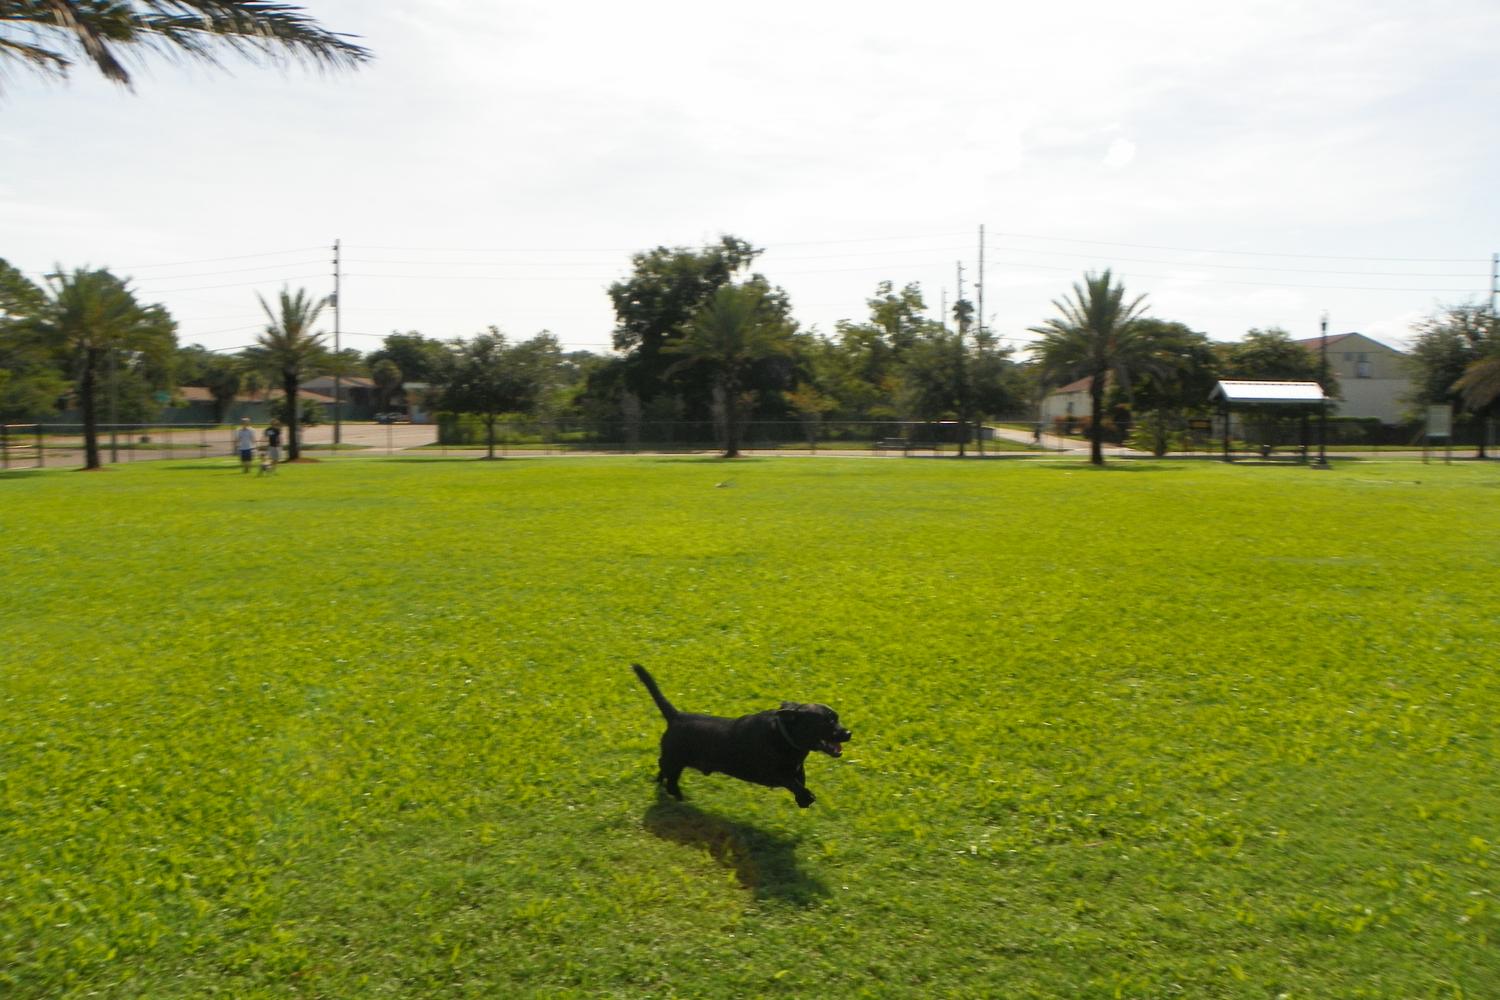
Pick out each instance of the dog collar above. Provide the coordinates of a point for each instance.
(780, 728)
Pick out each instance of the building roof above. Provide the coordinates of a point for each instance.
(1247, 391)
(1314, 343)
(199, 394)
(1082, 385)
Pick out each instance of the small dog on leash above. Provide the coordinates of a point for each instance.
(767, 748)
(267, 466)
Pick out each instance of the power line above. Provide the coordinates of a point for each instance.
(1247, 267)
(238, 284)
(235, 270)
(487, 277)
(638, 249)
(211, 260)
(1246, 253)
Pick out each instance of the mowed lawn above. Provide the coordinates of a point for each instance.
(367, 728)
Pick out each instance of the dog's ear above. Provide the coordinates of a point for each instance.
(790, 706)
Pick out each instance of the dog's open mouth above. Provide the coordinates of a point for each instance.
(831, 748)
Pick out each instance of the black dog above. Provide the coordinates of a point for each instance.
(767, 748)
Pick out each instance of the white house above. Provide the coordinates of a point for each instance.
(1071, 400)
(1372, 377)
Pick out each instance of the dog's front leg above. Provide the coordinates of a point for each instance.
(798, 787)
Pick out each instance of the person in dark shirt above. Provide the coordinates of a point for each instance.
(273, 442)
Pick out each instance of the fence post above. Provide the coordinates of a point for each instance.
(4, 446)
(41, 460)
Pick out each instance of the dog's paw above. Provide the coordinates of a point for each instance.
(805, 798)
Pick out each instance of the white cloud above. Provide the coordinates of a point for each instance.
(1120, 154)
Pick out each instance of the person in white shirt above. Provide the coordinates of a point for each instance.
(244, 440)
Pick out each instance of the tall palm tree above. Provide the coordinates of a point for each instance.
(289, 349)
(738, 326)
(46, 35)
(1096, 336)
(88, 320)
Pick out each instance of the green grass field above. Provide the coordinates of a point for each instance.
(367, 729)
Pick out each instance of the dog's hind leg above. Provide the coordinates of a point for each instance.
(667, 775)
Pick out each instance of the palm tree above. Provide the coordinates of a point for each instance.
(88, 319)
(1096, 336)
(1480, 389)
(290, 350)
(738, 326)
(46, 35)
(387, 377)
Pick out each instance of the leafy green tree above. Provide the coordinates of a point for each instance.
(544, 372)
(810, 406)
(419, 358)
(291, 351)
(223, 375)
(91, 320)
(30, 382)
(1098, 335)
(1444, 346)
(666, 290)
(864, 365)
(1177, 383)
(1452, 362)
(929, 378)
(486, 379)
(48, 35)
(1273, 355)
(738, 326)
(995, 383)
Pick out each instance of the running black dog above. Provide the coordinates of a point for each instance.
(767, 748)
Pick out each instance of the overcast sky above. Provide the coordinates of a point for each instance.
(1243, 165)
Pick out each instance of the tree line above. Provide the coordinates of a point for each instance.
(699, 335)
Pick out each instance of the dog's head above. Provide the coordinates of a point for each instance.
(813, 727)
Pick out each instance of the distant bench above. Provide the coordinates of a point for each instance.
(903, 445)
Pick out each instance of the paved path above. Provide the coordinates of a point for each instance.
(1059, 444)
(379, 437)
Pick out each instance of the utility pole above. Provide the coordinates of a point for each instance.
(114, 404)
(979, 335)
(1494, 283)
(979, 282)
(338, 361)
(1323, 390)
(963, 382)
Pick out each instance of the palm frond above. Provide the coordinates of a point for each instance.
(1480, 384)
(38, 34)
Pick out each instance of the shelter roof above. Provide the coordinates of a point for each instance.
(1247, 391)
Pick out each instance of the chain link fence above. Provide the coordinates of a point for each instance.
(38, 446)
(44, 445)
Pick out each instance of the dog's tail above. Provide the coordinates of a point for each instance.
(667, 711)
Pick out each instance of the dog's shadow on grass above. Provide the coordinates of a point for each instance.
(763, 863)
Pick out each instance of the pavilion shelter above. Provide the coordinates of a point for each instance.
(1233, 394)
